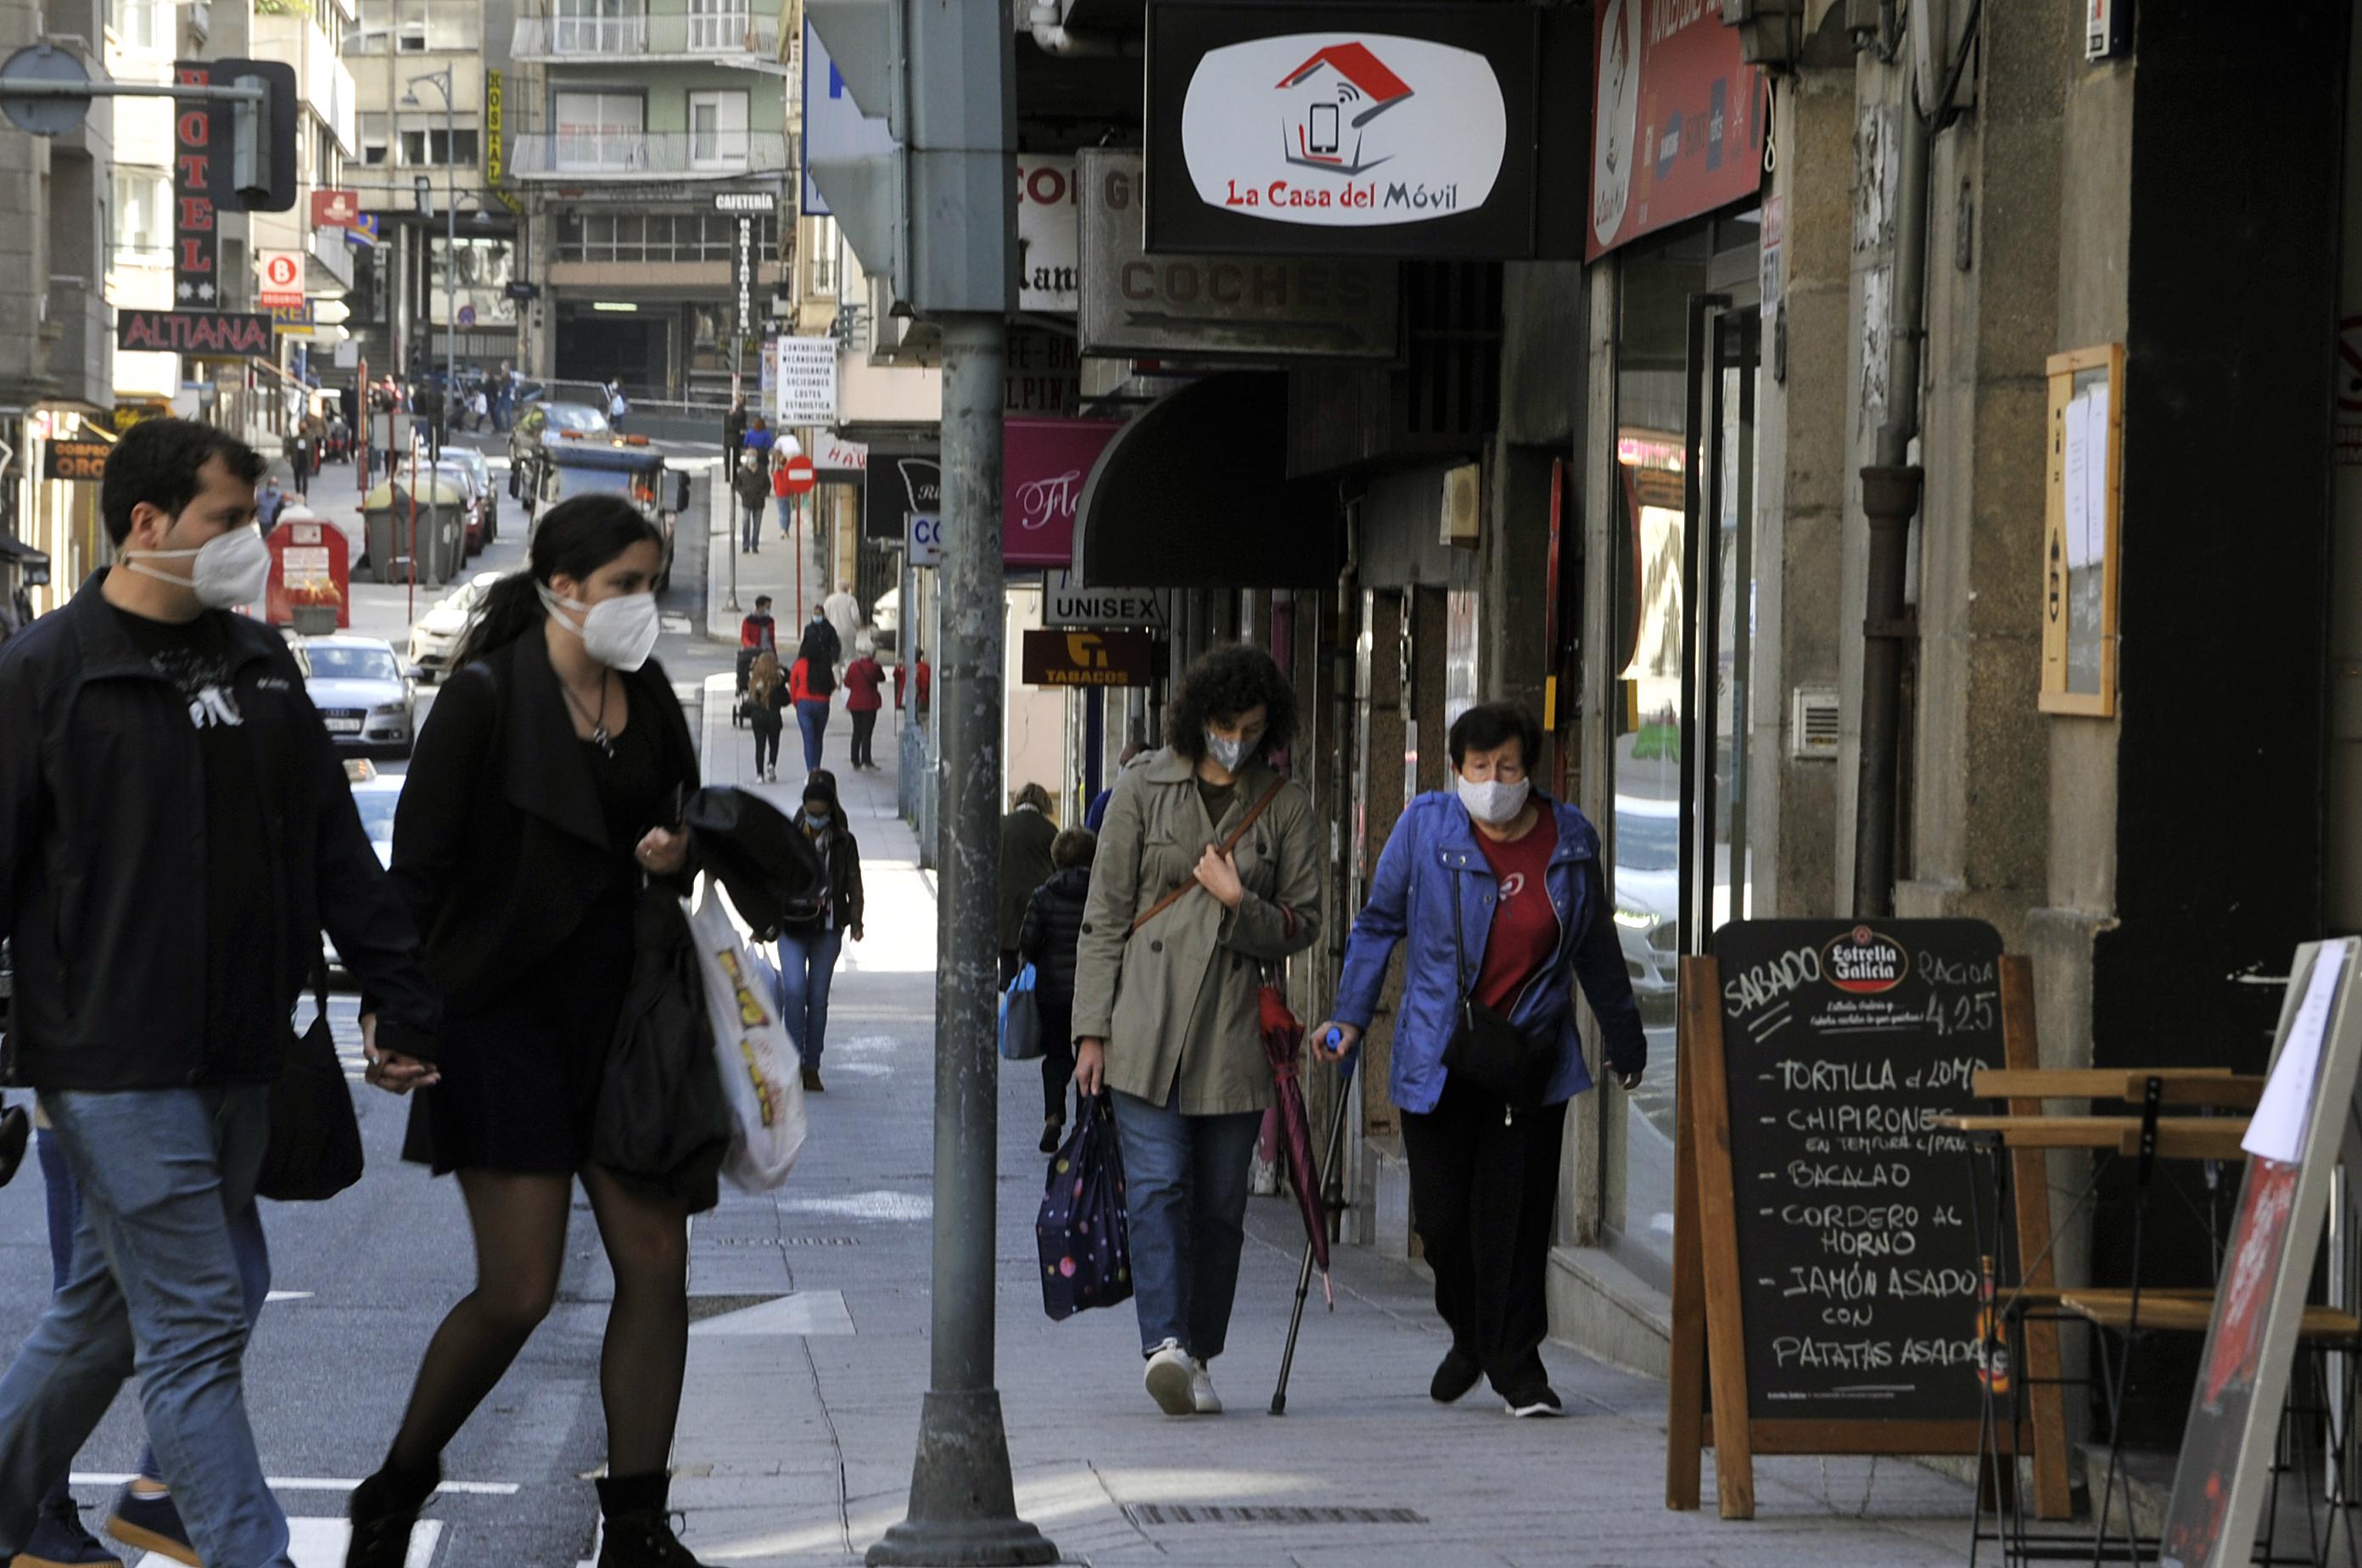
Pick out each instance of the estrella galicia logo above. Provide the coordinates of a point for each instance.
(1863, 963)
(1345, 131)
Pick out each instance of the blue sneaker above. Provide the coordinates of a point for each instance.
(151, 1524)
(59, 1540)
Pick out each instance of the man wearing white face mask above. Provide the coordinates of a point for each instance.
(176, 830)
(1494, 891)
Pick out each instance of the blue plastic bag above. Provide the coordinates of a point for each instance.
(1021, 1017)
(1083, 1233)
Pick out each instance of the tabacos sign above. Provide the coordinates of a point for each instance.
(1411, 132)
(1329, 130)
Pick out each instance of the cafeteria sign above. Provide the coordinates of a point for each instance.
(1418, 132)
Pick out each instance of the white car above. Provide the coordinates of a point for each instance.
(1646, 888)
(436, 636)
(376, 794)
(365, 699)
(886, 619)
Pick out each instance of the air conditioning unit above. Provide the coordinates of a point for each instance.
(1816, 721)
(1463, 505)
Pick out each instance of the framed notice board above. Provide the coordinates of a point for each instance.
(2082, 531)
(1827, 1266)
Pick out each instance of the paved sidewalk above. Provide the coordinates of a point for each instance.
(809, 1356)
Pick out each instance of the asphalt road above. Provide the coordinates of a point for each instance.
(360, 1283)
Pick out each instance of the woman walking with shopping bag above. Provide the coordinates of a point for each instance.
(1207, 871)
(1494, 891)
(545, 795)
(811, 944)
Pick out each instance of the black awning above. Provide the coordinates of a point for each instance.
(23, 554)
(1195, 493)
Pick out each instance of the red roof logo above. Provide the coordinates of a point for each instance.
(1340, 90)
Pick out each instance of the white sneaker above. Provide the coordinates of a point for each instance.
(1202, 1396)
(1170, 1378)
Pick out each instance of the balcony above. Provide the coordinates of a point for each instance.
(579, 156)
(81, 358)
(737, 39)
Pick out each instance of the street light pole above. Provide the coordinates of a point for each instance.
(445, 83)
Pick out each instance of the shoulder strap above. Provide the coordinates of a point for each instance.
(1238, 832)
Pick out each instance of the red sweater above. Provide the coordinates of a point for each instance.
(863, 678)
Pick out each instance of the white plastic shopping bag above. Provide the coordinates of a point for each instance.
(759, 1069)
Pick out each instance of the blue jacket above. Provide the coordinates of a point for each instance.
(1434, 843)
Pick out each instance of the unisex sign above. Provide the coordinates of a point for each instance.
(1207, 306)
(1271, 129)
(1677, 119)
(1065, 604)
(1089, 658)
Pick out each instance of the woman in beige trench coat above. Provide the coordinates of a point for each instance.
(1167, 1020)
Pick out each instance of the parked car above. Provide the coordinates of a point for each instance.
(436, 636)
(885, 621)
(481, 466)
(480, 497)
(1647, 862)
(365, 697)
(537, 427)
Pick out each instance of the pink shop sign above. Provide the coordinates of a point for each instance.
(1044, 465)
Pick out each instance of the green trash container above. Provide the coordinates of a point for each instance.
(442, 534)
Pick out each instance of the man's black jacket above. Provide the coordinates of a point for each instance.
(103, 861)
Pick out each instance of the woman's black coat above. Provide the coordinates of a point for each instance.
(499, 843)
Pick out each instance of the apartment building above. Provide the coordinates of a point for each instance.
(633, 114)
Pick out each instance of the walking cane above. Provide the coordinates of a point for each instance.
(1304, 1274)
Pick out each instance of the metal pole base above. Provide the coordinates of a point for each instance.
(963, 1503)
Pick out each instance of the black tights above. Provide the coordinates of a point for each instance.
(520, 1226)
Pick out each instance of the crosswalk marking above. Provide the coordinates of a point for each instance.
(810, 1312)
(320, 1484)
(320, 1543)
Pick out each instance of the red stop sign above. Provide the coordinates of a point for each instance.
(799, 475)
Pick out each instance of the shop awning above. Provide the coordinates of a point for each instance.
(20, 553)
(1195, 493)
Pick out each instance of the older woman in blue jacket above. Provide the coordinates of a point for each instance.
(1520, 874)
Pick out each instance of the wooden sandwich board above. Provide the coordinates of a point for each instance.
(1826, 1277)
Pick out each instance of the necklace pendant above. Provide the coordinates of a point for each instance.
(603, 740)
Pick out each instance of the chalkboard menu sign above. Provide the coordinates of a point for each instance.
(1858, 1259)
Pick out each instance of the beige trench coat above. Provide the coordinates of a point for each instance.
(1177, 1004)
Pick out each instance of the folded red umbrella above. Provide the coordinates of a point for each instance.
(1282, 1036)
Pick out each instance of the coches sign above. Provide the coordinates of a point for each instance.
(1273, 129)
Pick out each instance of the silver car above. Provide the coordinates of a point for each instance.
(365, 697)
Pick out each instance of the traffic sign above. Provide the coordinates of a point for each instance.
(803, 477)
(282, 279)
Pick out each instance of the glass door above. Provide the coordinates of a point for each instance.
(1725, 366)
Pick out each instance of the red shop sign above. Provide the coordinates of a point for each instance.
(1677, 119)
(1044, 465)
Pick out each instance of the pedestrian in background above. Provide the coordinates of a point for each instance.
(1026, 834)
(268, 500)
(759, 438)
(753, 490)
(808, 948)
(864, 698)
(483, 408)
(1496, 889)
(766, 696)
(733, 428)
(807, 689)
(1054, 925)
(1097, 813)
(919, 678)
(1166, 1016)
(176, 826)
(617, 405)
(843, 613)
(780, 494)
(545, 795)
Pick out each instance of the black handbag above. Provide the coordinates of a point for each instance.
(314, 1152)
(1486, 1048)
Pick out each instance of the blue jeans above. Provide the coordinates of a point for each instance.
(787, 505)
(246, 1238)
(1185, 1196)
(811, 718)
(807, 967)
(751, 534)
(154, 1287)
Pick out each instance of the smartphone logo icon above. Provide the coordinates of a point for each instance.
(1324, 129)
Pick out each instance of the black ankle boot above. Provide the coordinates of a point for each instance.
(639, 1529)
(383, 1509)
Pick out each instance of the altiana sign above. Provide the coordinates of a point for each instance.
(1412, 134)
(208, 335)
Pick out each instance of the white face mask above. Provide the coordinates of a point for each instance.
(1494, 802)
(227, 571)
(1228, 752)
(619, 633)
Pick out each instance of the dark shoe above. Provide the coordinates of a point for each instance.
(151, 1524)
(384, 1508)
(1458, 1375)
(639, 1527)
(1537, 1399)
(1053, 1132)
(59, 1540)
(811, 1082)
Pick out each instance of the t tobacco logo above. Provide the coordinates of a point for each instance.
(1343, 130)
(1864, 962)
